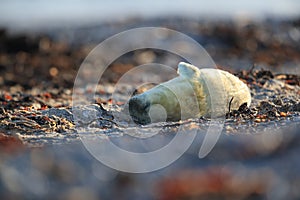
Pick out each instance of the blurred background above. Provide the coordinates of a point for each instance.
(59, 34)
(42, 45)
(38, 14)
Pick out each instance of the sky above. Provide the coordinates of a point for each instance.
(39, 13)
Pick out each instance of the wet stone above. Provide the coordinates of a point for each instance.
(90, 113)
(59, 112)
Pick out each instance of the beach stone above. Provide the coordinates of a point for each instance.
(59, 112)
(87, 114)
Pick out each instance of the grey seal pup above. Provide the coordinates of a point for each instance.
(194, 93)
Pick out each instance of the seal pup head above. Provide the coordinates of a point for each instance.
(176, 97)
(139, 107)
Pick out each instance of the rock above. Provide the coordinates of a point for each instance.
(87, 114)
(59, 112)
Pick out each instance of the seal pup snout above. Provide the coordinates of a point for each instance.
(138, 108)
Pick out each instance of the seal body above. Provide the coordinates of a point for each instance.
(194, 93)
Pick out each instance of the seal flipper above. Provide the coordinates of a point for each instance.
(187, 70)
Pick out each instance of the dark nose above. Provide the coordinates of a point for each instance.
(139, 108)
